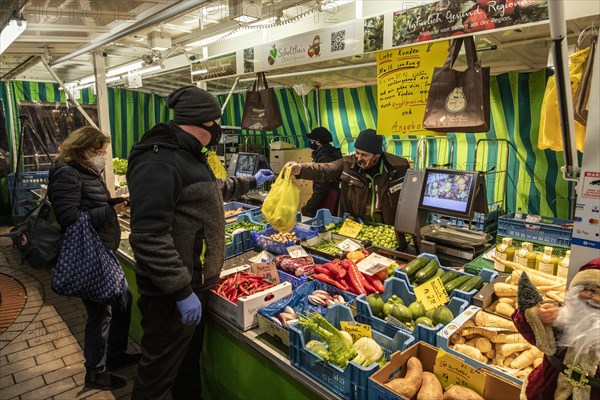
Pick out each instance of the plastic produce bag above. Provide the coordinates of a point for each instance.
(215, 164)
(281, 204)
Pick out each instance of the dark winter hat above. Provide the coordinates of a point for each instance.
(321, 134)
(193, 106)
(369, 141)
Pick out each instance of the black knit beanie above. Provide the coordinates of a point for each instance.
(193, 106)
(321, 134)
(369, 141)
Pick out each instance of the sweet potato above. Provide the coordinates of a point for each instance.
(431, 388)
(455, 392)
(411, 383)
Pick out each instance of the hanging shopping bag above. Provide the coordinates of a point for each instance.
(86, 268)
(261, 112)
(215, 165)
(281, 204)
(459, 101)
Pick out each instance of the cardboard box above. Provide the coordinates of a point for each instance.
(496, 387)
(243, 314)
(279, 158)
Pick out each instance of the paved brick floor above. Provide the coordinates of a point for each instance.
(41, 353)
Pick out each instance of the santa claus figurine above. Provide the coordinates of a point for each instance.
(568, 334)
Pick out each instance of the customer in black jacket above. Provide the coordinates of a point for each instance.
(325, 194)
(75, 186)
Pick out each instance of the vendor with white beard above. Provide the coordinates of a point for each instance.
(568, 335)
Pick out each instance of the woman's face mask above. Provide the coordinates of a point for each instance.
(215, 133)
(98, 161)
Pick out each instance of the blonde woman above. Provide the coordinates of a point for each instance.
(76, 185)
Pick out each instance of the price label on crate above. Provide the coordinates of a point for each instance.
(297, 251)
(432, 293)
(356, 330)
(350, 228)
(452, 371)
(349, 245)
(263, 256)
(373, 264)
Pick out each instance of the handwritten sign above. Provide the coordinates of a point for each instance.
(432, 293)
(452, 371)
(263, 256)
(374, 263)
(356, 330)
(267, 270)
(296, 251)
(349, 245)
(350, 228)
(403, 80)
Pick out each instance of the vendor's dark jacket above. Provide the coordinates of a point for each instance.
(74, 188)
(176, 207)
(372, 199)
(321, 190)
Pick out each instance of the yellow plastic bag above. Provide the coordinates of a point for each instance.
(550, 136)
(215, 164)
(281, 204)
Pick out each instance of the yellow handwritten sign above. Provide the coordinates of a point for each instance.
(356, 330)
(403, 80)
(432, 293)
(452, 371)
(350, 228)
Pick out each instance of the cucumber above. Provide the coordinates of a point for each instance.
(448, 276)
(453, 284)
(471, 284)
(438, 273)
(426, 272)
(412, 267)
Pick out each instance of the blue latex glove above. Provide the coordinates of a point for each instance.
(264, 175)
(190, 309)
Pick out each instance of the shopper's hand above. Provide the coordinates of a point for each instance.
(294, 167)
(264, 175)
(190, 309)
(120, 207)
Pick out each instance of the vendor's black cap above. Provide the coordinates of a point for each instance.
(369, 141)
(321, 134)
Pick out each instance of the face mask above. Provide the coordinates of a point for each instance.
(97, 162)
(215, 133)
(313, 144)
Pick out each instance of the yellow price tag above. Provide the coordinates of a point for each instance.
(350, 228)
(356, 330)
(452, 371)
(432, 293)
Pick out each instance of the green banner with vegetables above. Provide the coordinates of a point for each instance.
(446, 18)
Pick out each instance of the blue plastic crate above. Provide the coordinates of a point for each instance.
(554, 231)
(395, 286)
(322, 218)
(296, 281)
(28, 180)
(262, 240)
(248, 239)
(236, 247)
(485, 274)
(234, 205)
(352, 382)
(481, 222)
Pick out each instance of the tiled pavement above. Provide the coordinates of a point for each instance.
(41, 353)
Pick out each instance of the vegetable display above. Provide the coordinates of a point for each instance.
(296, 266)
(322, 298)
(120, 166)
(286, 318)
(233, 212)
(420, 270)
(283, 237)
(378, 235)
(345, 276)
(327, 247)
(244, 225)
(240, 284)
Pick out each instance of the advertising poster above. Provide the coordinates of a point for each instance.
(445, 18)
(403, 80)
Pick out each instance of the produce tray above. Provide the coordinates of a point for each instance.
(307, 243)
(262, 240)
(321, 220)
(400, 288)
(234, 205)
(247, 238)
(295, 281)
(549, 230)
(487, 222)
(485, 274)
(375, 224)
(236, 247)
(299, 302)
(352, 382)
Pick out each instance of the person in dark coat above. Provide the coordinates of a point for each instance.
(325, 194)
(76, 185)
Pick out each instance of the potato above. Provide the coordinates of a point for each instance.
(411, 383)
(431, 388)
(455, 392)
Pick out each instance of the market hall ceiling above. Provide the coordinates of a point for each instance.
(58, 28)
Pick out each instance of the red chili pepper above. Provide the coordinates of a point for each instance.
(327, 279)
(366, 284)
(375, 282)
(335, 271)
(336, 261)
(355, 277)
(365, 252)
(320, 270)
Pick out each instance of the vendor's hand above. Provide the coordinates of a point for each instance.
(190, 309)
(264, 175)
(547, 312)
(294, 167)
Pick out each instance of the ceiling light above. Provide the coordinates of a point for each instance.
(11, 32)
(151, 69)
(113, 79)
(86, 80)
(124, 69)
(208, 40)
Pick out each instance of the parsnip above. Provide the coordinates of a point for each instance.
(469, 323)
(505, 289)
(477, 330)
(505, 309)
(556, 295)
(483, 344)
(530, 272)
(472, 352)
(491, 354)
(524, 359)
(471, 342)
(506, 349)
(524, 373)
(493, 321)
(537, 362)
(508, 300)
(508, 360)
(508, 338)
(499, 359)
(538, 280)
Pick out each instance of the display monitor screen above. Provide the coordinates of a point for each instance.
(448, 192)
(246, 164)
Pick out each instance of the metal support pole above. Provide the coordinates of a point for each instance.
(104, 117)
(230, 94)
(13, 134)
